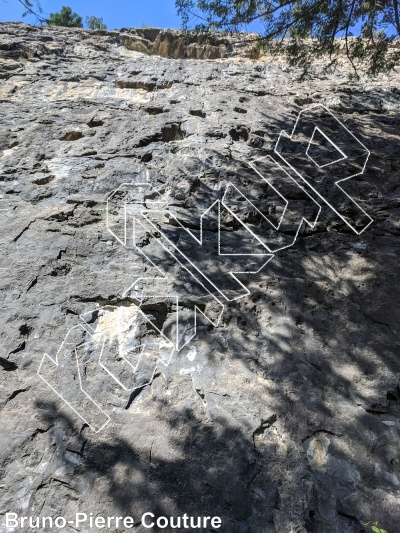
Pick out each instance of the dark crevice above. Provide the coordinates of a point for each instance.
(62, 216)
(102, 301)
(376, 409)
(143, 84)
(32, 284)
(15, 394)
(20, 348)
(379, 322)
(147, 157)
(72, 136)
(25, 330)
(197, 113)
(240, 133)
(137, 392)
(201, 394)
(154, 110)
(8, 366)
(318, 431)
(265, 424)
(40, 431)
(44, 180)
(64, 483)
(394, 394)
(59, 255)
(23, 231)
(95, 123)
(145, 141)
(134, 395)
(77, 452)
(172, 132)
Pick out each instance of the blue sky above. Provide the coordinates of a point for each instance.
(117, 14)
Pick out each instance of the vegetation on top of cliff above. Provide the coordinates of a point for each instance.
(95, 23)
(301, 29)
(66, 17)
(290, 25)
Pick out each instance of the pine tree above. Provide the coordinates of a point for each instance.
(66, 17)
(306, 29)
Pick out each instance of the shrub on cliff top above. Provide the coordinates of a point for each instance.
(95, 23)
(66, 17)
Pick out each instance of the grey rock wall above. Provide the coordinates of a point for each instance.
(284, 417)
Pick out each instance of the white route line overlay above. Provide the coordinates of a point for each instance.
(276, 227)
(200, 241)
(88, 329)
(175, 297)
(102, 338)
(55, 362)
(164, 343)
(291, 136)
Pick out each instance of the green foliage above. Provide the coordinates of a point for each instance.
(375, 528)
(66, 17)
(95, 23)
(307, 29)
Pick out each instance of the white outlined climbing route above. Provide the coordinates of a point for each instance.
(298, 150)
(197, 266)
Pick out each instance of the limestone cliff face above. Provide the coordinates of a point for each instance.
(281, 415)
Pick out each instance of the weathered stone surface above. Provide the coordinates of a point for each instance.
(175, 44)
(284, 417)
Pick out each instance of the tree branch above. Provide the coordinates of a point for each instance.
(347, 38)
(28, 8)
(397, 16)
